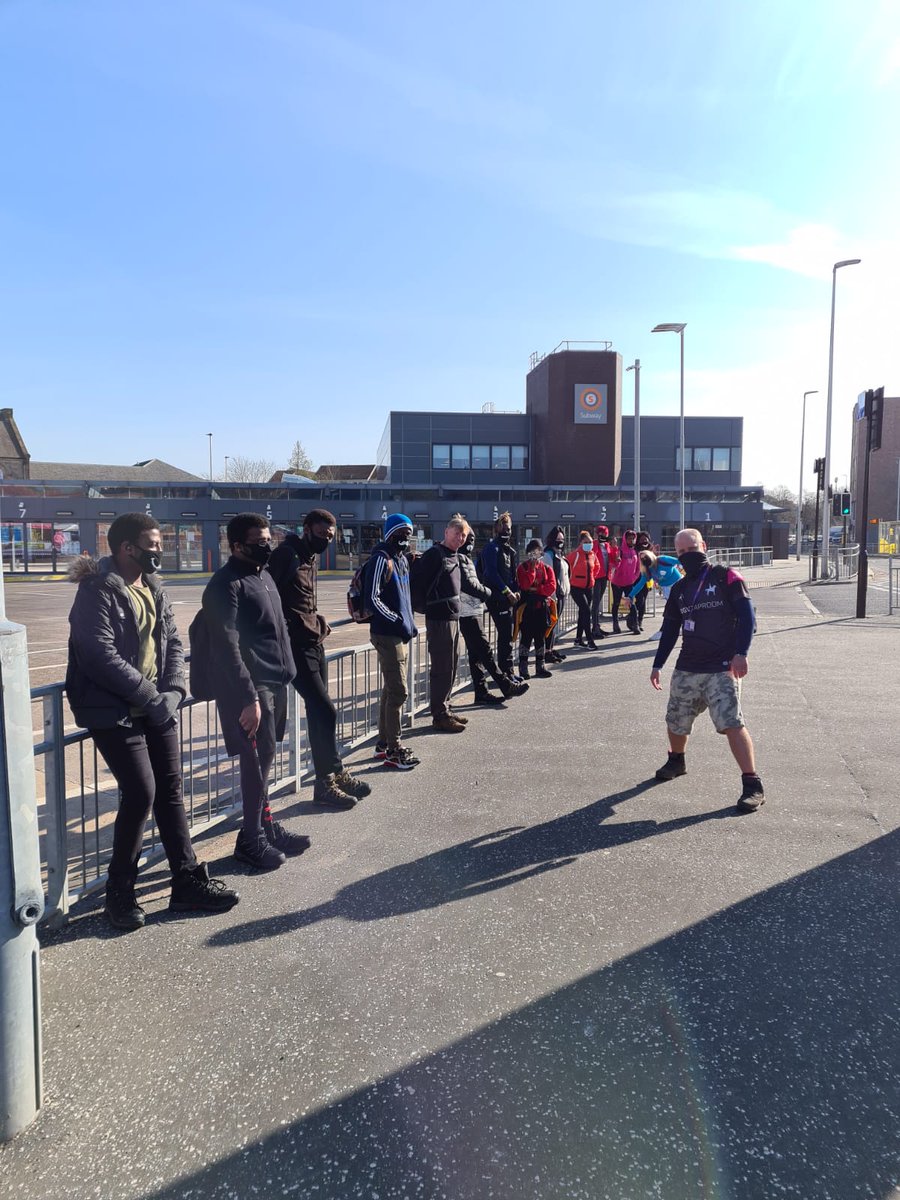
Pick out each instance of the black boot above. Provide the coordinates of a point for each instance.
(523, 669)
(540, 670)
(483, 696)
(194, 891)
(122, 909)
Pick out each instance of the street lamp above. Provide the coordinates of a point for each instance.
(847, 262)
(800, 492)
(636, 367)
(209, 435)
(678, 327)
(226, 467)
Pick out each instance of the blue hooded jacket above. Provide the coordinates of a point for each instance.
(387, 594)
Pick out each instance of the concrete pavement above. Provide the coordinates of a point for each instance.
(524, 969)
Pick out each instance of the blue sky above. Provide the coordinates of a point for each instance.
(279, 220)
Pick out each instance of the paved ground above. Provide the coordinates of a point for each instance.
(524, 970)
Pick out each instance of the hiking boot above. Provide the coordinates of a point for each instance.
(356, 788)
(194, 891)
(752, 796)
(448, 724)
(290, 844)
(400, 759)
(483, 696)
(254, 850)
(672, 768)
(121, 908)
(329, 794)
(456, 717)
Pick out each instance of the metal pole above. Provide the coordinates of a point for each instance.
(862, 571)
(898, 491)
(681, 335)
(815, 545)
(21, 894)
(636, 367)
(800, 488)
(209, 435)
(849, 262)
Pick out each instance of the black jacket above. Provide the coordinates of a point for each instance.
(469, 581)
(103, 681)
(247, 632)
(294, 566)
(439, 573)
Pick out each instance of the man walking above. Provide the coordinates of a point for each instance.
(711, 609)
(498, 572)
(294, 568)
(392, 626)
(437, 583)
(125, 681)
(250, 667)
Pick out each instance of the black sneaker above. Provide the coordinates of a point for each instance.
(255, 851)
(381, 749)
(487, 697)
(752, 796)
(282, 839)
(543, 673)
(400, 759)
(673, 767)
(122, 909)
(194, 891)
(348, 783)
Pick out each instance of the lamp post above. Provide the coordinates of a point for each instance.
(209, 435)
(226, 468)
(800, 492)
(678, 327)
(636, 367)
(847, 262)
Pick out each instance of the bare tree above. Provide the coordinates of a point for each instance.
(299, 462)
(250, 470)
(781, 496)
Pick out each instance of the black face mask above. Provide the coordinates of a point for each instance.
(693, 561)
(504, 537)
(258, 554)
(319, 544)
(149, 560)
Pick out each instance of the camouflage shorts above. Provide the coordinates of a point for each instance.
(691, 694)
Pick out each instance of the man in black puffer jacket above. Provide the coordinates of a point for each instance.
(481, 658)
(125, 681)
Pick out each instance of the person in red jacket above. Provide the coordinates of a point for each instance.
(607, 556)
(583, 569)
(625, 574)
(537, 583)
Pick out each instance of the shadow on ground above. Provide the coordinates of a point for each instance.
(753, 1055)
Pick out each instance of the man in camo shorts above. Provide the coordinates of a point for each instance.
(711, 610)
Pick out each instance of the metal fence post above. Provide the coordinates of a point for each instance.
(57, 854)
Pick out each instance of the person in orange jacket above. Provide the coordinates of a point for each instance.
(583, 572)
(537, 583)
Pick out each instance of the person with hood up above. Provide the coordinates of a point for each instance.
(635, 618)
(537, 584)
(392, 628)
(124, 682)
(482, 663)
(583, 568)
(607, 556)
(555, 558)
(498, 572)
(625, 574)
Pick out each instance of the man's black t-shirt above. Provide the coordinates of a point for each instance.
(708, 609)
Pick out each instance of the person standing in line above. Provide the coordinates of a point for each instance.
(638, 608)
(555, 559)
(294, 569)
(250, 667)
(711, 609)
(583, 568)
(124, 682)
(624, 575)
(537, 584)
(436, 577)
(498, 572)
(392, 627)
(607, 557)
(482, 663)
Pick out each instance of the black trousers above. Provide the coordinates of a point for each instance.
(640, 607)
(533, 628)
(504, 620)
(257, 754)
(311, 683)
(582, 598)
(597, 604)
(146, 764)
(617, 594)
(481, 658)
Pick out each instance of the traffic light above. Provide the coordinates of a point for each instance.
(845, 504)
(877, 418)
(819, 469)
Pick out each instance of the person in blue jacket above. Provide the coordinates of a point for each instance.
(663, 570)
(392, 626)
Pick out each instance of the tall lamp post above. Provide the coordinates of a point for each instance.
(678, 327)
(227, 456)
(636, 367)
(800, 491)
(847, 262)
(209, 435)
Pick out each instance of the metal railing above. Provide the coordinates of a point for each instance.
(79, 798)
(741, 556)
(893, 568)
(842, 563)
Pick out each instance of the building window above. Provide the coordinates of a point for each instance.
(459, 458)
(688, 458)
(481, 458)
(500, 458)
(440, 457)
(721, 460)
(702, 458)
(519, 458)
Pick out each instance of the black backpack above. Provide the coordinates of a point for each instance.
(201, 658)
(419, 593)
(358, 590)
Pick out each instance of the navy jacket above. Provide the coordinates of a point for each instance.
(388, 598)
(103, 681)
(498, 569)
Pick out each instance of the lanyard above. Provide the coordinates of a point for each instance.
(699, 587)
